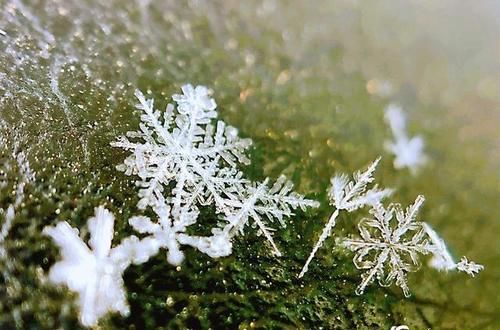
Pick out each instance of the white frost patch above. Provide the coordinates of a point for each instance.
(25, 176)
(400, 327)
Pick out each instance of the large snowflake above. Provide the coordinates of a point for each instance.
(184, 160)
(182, 146)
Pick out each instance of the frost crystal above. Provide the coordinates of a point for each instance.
(185, 160)
(96, 273)
(349, 195)
(409, 152)
(388, 248)
(165, 233)
(442, 259)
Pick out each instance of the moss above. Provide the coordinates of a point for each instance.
(308, 119)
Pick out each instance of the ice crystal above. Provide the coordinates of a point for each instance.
(95, 273)
(409, 152)
(391, 242)
(442, 258)
(184, 148)
(259, 202)
(349, 195)
(184, 159)
(389, 245)
(469, 267)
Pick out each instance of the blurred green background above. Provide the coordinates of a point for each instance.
(308, 82)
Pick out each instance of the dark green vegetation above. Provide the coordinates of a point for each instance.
(308, 118)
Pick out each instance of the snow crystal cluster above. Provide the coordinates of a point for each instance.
(391, 239)
(183, 159)
(185, 148)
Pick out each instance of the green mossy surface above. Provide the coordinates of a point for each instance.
(308, 118)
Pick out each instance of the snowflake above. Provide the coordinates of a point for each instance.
(184, 161)
(184, 148)
(96, 273)
(409, 152)
(349, 195)
(389, 249)
(442, 259)
(166, 233)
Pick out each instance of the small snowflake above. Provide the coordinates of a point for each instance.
(389, 245)
(95, 273)
(165, 232)
(409, 152)
(349, 195)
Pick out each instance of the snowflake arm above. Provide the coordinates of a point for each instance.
(348, 195)
(259, 203)
(442, 258)
(469, 267)
(185, 159)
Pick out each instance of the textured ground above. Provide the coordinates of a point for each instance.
(303, 82)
